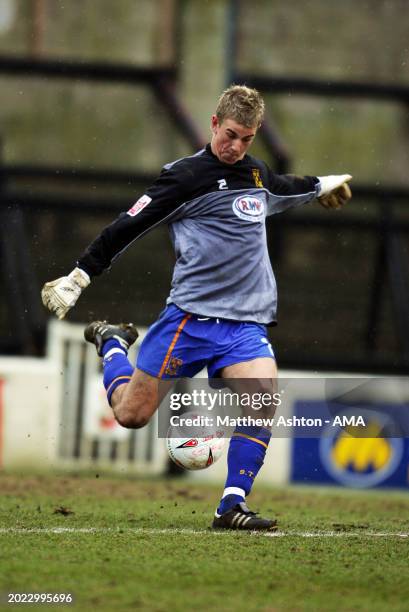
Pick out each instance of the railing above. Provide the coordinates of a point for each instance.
(27, 318)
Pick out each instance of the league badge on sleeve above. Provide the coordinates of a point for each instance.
(139, 205)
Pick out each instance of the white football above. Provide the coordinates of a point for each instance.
(192, 452)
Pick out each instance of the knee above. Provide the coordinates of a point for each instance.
(130, 419)
(267, 386)
(269, 404)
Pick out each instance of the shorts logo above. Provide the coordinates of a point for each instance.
(249, 208)
(173, 366)
(139, 205)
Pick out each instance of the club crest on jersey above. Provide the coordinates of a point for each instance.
(139, 205)
(249, 208)
(257, 178)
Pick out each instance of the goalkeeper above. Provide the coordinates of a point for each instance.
(223, 292)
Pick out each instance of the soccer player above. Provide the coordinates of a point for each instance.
(223, 292)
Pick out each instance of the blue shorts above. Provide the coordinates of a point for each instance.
(180, 344)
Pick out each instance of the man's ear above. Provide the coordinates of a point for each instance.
(214, 124)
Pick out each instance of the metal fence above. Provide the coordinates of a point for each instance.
(372, 334)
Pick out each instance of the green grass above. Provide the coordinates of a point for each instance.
(129, 564)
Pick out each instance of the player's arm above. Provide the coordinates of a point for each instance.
(288, 191)
(160, 202)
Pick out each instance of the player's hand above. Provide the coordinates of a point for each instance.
(61, 294)
(334, 191)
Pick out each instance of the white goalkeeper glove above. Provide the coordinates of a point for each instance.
(334, 191)
(61, 294)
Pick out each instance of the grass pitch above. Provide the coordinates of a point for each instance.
(128, 544)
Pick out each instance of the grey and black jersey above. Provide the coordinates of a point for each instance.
(216, 214)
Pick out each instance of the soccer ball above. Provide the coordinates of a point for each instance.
(195, 452)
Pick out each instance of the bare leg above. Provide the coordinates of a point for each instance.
(135, 402)
(262, 368)
(255, 376)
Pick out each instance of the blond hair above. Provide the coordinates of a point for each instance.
(242, 104)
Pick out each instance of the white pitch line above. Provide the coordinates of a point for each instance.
(170, 531)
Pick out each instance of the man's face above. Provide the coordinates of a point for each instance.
(230, 140)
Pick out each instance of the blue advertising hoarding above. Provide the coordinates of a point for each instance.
(334, 455)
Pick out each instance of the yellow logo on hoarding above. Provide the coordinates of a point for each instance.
(358, 458)
(361, 454)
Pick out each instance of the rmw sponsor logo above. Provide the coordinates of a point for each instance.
(249, 208)
(139, 205)
(249, 205)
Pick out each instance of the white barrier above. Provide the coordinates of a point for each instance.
(53, 412)
(89, 436)
(29, 400)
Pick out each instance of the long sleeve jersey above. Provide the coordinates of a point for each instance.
(216, 214)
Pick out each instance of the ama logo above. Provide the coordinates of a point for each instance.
(357, 461)
(249, 208)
